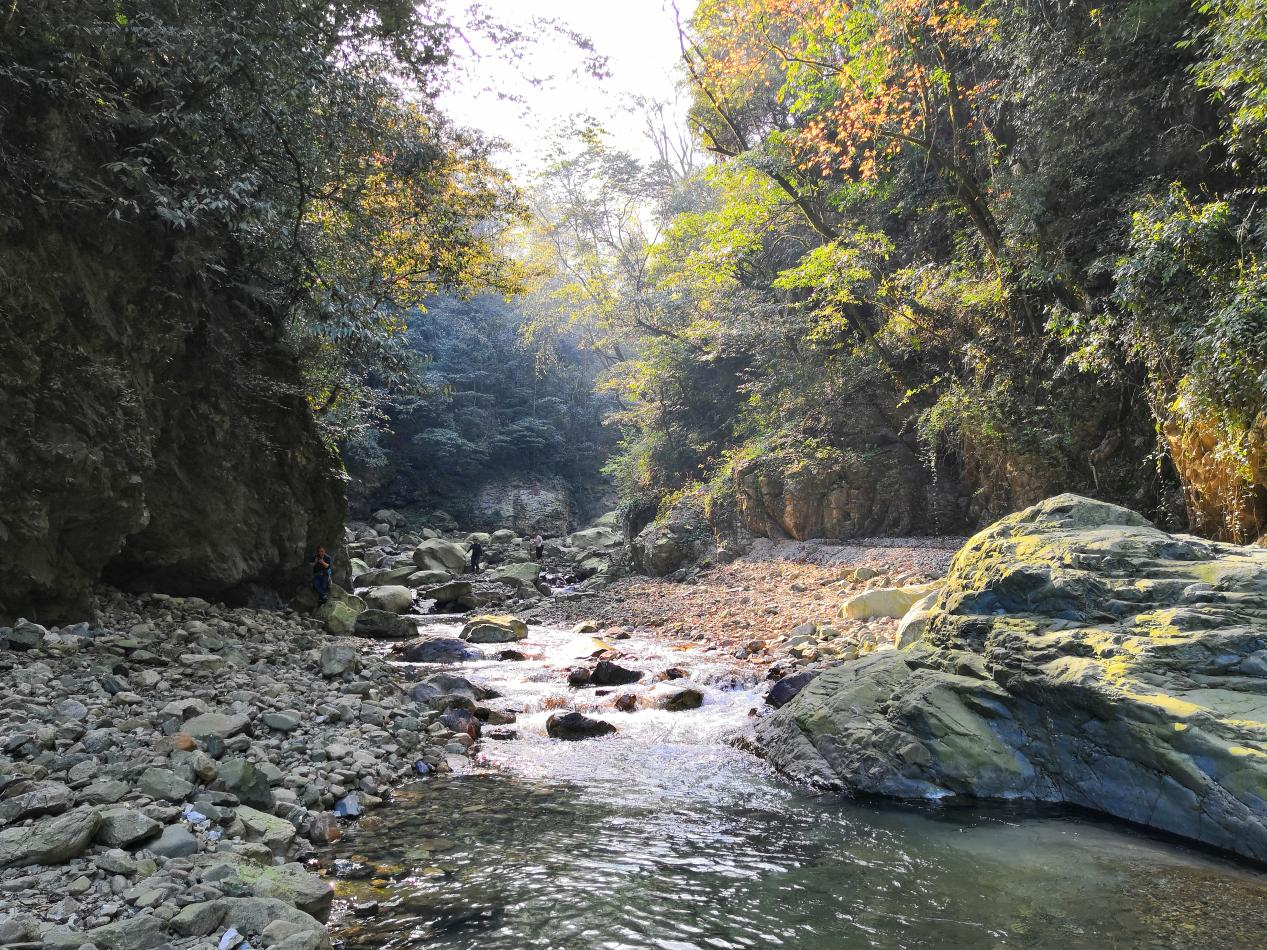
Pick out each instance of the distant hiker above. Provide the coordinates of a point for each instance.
(477, 552)
(538, 545)
(322, 571)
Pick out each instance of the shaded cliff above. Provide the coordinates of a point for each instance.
(153, 426)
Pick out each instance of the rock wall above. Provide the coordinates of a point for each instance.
(153, 429)
(525, 506)
(1077, 654)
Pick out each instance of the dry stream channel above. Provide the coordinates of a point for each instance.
(666, 836)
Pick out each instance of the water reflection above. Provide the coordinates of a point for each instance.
(664, 837)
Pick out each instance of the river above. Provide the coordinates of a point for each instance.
(665, 836)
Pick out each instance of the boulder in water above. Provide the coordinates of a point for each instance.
(683, 699)
(783, 692)
(1076, 655)
(494, 628)
(438, 650)
(572, 726)
(607, 673)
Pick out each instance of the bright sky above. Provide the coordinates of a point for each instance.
(639, 39)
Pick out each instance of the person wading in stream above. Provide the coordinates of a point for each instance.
(322, 571)
(477, 552)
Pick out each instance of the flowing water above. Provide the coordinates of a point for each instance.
(664, 836)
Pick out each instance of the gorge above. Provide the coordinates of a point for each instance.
(813, 497)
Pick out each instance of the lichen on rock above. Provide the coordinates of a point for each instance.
(1077, 654)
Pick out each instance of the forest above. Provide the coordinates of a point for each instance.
(975, 252)
(697, 474)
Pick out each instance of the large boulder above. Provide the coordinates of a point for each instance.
(384, 625)
(49, 840)
(516, 575)
(385, 576)
(339, 618)
(1077, 654)
(572, 726)
(392, 597)
(491, 628)
(886, 601)
(450, 593)
(436, 554)
(599, 537)
(438, 650)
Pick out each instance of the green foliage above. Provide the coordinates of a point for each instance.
(284, 155)
(488, 404)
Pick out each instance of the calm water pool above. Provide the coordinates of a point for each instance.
(664, 836)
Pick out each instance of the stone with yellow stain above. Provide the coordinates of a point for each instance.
(1076, 654)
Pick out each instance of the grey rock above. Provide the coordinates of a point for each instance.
(438, 650)
(240, 776)
(165, 785)
(131, 933)
(176, 841)
(49, 840)
(42, 798)
(216, 725)
(123, 827)
(337, 660)
(384, 625)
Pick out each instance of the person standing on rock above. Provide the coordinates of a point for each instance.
(322, 571)
(538, 545)
(477, 552)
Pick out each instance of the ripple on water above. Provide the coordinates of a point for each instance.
(663, 836)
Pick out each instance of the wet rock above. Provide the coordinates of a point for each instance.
(494, 629)
(607, 673)
(574, 726)
(49, 840)
(626, 702)
(511, 655)
(462, 721)
(438, 650)
(683, 699)
(782, 692)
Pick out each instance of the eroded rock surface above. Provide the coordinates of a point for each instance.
(1077, 654)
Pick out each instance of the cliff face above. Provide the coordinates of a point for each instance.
(152, 432)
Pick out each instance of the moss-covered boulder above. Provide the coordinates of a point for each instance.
(1077, 654)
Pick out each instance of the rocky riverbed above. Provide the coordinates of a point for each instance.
(167, 769)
